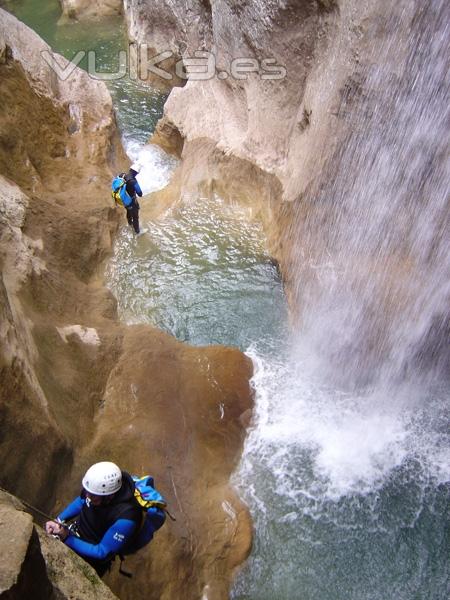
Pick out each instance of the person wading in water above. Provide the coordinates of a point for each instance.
(133, 189)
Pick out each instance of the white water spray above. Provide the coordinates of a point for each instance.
(347, 468)
(157, 165)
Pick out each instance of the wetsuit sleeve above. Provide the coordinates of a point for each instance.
(115, 539)
(137, 187)
(72, 510)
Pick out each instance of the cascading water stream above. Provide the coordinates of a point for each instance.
(375, 287)
(347, 469)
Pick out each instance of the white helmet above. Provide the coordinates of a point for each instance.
(135, 167)
(102, 479)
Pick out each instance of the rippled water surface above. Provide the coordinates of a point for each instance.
(349, 491)
(201, 272)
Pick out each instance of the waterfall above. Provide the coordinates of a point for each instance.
(347, 468)
(373, 252)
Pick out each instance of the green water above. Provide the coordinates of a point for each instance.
(349, 495)
(138, 107)
(202, 273)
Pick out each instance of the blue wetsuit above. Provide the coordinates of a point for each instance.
(115, 539)
(104, 530)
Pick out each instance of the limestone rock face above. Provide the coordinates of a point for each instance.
(87, 9)
(34, 565)
(58, 144)
(258, 116)
(24, 404)
(171, 27)
(77, 385)
(168, 137)
(70, 132)
(169, 24)
(277, 107)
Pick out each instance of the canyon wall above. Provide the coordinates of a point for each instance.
(323, 152)
(58, 144)
(77, 385)
(278, 108)
(281, 108)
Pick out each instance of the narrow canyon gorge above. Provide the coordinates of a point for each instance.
(321, 121)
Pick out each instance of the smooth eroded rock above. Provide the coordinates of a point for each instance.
(77, 385)
(178, 413)
(80, 10)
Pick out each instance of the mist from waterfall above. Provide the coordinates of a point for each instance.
(373, 252)
(347, 468)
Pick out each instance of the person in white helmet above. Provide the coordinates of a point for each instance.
(107, 516)
(133, 189)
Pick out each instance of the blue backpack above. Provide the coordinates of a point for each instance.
(155, 508)
(119, 191)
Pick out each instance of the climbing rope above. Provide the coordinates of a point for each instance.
(30, 506)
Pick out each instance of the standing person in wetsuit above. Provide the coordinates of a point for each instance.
(107, 516)
(133, 189)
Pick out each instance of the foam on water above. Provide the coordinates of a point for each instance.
(157, 165)
(354, 442)
(336, 482)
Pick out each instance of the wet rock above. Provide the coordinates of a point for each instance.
(77, 385)
(34, 565)
(168, 137)
(80, 10)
